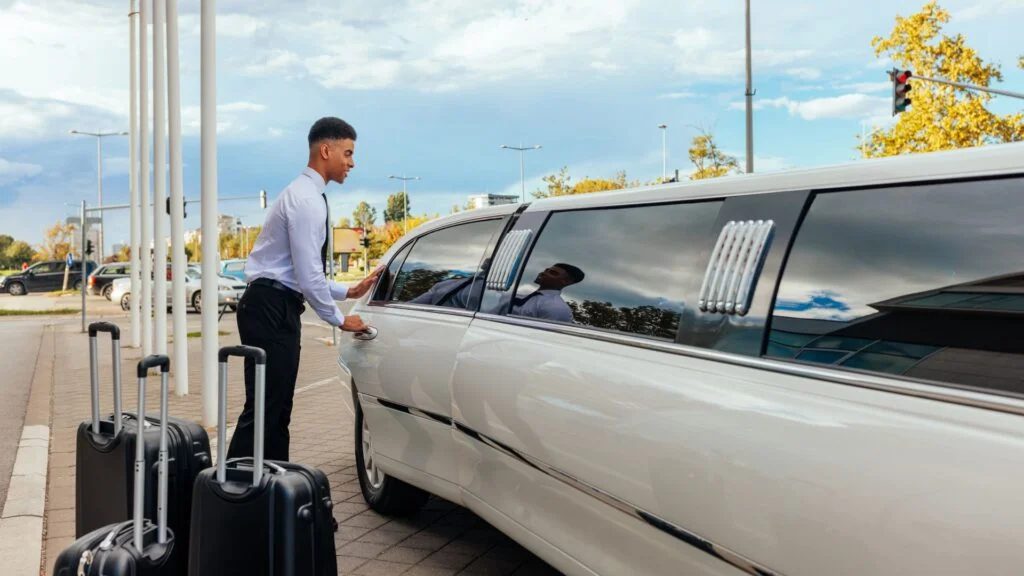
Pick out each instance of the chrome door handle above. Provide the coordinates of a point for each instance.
(370, 334)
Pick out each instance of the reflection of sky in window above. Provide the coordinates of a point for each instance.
(860, 248)
(458, 248)
(631, 256)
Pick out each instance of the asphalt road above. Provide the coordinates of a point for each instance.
(20, 339)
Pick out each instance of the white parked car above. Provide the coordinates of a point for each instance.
(804, 373)
(230, 290)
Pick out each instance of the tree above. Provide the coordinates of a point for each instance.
(708, 159)
(940, 117)
(397, 208)
(344, 222)
(16, 253)
(364, 215)
(56, 242)
(5, 242)
(560, 184)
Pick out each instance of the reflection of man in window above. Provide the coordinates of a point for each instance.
(546, 302)
(453, 293)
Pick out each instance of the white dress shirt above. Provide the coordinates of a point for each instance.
(545, 304)
(288, 248)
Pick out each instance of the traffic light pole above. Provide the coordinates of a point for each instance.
(970, 87)
(85, 229)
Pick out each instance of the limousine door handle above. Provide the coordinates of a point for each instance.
(370, 334)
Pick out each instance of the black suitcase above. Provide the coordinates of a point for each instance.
(105, 463)
(137, 547)
(254, 517)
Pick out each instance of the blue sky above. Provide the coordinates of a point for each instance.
(434, 87)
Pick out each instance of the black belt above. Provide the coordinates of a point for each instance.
(278, 286)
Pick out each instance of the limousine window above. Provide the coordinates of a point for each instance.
(387, 279)
(622, 269)
(923, 282)
(443, 267)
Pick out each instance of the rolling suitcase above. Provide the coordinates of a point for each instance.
(104, 459)
(137, 547)
(256, 517)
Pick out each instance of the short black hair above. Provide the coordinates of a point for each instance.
(331, 128)
(575, 273)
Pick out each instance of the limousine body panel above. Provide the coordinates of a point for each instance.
(797, 475)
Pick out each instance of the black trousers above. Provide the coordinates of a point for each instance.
(269, 319)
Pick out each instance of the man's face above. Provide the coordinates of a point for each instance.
(553, 278)
(340, 156)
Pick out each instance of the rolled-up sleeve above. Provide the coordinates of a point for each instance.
(306, 235)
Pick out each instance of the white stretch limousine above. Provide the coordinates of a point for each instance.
(804, 373)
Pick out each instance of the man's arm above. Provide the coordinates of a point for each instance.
(306, 236)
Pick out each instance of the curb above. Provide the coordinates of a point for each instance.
(21, 524)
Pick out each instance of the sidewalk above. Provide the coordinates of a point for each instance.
(442, 540)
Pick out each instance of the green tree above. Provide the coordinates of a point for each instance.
(364, 215)
(708, 159)
(940, 117)
(5, 242)
(560, 184)
(18, 252)
(397, 208)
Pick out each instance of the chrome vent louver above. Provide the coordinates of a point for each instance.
(734, 266)
(507, 259)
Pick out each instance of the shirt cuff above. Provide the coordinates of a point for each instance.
(338, 291)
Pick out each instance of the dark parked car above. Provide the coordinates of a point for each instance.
(100, 280)
(45, 277)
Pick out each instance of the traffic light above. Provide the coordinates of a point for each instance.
(88, 247)
(900, 90)
(263, 199)
(365, 241)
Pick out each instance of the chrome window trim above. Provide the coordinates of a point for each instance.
(422, 308)
(752, 270)
(508, 259)
(712, 267)
(726, 555)
(735, 262)
(904, 386)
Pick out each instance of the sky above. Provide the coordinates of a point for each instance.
(435, 87)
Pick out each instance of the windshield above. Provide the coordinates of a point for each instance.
(193, 274)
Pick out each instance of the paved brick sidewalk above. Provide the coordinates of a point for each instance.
(442, 540)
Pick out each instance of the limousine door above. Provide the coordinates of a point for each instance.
(403, 374)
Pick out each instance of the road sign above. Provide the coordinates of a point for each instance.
(70, 260)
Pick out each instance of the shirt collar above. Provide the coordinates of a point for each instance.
(317, 179)
(549, 291)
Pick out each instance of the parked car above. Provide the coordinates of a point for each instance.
(802, 373)
(45, 277)
(101, 278)
(230, 290)
(234, 268)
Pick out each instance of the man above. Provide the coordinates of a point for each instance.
(546, 302)
(286, 268)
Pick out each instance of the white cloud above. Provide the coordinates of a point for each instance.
(703, 54)
(805, 73)
(277, 63)
(231, 118)
(676, 95)
(867, 87)
(844, 106)
(11, 172)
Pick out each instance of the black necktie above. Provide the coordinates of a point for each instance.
(518, 302)
(327, 228)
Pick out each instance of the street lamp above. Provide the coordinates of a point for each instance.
(99, 175)
(405, 199)
(663, 127)
(522, 180)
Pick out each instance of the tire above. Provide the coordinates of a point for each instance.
(16, 289)
(126, 302)
(384, 494)
(107, 290)
(197, 301)
(77, 285)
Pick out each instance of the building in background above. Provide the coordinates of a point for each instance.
(484, 200)
(228, 224)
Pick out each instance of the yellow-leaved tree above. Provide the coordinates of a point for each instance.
(708, 159)
(940, 117)
(561, 184)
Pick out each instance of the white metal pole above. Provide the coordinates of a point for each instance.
(133, 170)
(85, 230)
(522, 175)
(159, 178)
(211, 233)
(405, 207)
(146, 302)
(750, 102)
(177, 204)
(99, 195)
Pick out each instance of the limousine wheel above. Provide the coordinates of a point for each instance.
(383, 493)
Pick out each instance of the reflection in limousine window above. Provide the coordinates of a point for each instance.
(633, 269)
(440, 269)
(916, 282)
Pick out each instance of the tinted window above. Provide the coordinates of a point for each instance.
(47, 267)
(387, 279)
(623, 269)
(442, 266)
(924, 282)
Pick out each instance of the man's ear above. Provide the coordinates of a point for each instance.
(325, 149)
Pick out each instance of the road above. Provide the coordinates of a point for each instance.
(21, 339)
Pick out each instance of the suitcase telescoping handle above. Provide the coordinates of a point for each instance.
(140, 452)
(260, 358)
(94, 373)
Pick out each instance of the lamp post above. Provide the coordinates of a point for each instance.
(522, 176)
(99, 174)
(405, 199)
(663, 128)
